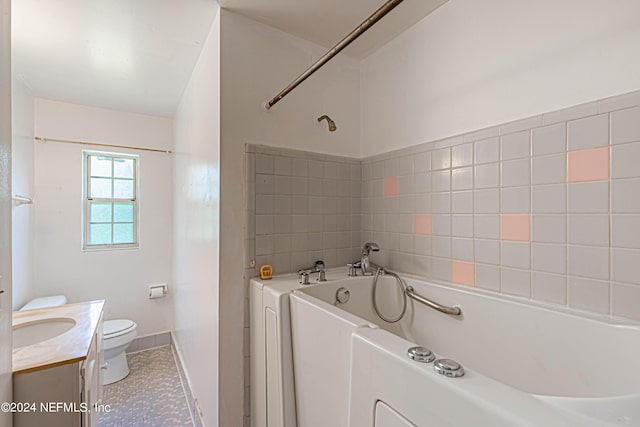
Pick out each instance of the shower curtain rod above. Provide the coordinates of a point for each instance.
(368, 23)
(67, 141)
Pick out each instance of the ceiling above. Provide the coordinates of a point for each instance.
(138, 55)
(129, 55)
(326, 22)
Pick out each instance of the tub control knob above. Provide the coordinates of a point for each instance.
(420, 354)
(448, 368)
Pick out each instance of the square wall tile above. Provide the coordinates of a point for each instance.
(625, 196)
(441, 225)
(625, 266)
(549, 198)
(515, 145)
(589, 197)
(589, 229)
(462, 225)
(441, 202)
(487, 176)
(462, 155)
(549, 287)
(391, 167)
(487, 150)
(299, 167)
(463, 272)
(549, 169)
(264, 164)
(516, 255)
(589, 261)
(515, 173)
(462, 202)
(422, 244)
(487, 277)
(487, 251)
(515, 227)
(422, 182)
(549, 139)
(422, 162)
(625, 162)
(588, 165)
(625, 231)
(487, 226)
(462, 249)
(516, 282)
(587, 294)
(625, 300)
(462, 179)
(391, 186)
(282, 165)
(625, 126)
(441, 159)
(422, 224)
(549, 258)
(441, 180)
(441, 246)
(487, 201)
(441, 269)
(516, 199)
(589, 132)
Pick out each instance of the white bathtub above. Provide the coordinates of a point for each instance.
(526, 364)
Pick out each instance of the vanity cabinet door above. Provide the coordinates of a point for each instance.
(91, 385)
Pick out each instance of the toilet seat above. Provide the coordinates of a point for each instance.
(115, 328)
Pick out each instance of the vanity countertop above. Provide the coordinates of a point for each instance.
(70, 347)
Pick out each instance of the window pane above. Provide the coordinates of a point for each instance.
(123, 212)
(101, 188)
(100, 212)
(100, 166)
(123, 168)
(122, 189)
(100, 234)
(122, 233)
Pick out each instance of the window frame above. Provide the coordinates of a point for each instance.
(88, 201)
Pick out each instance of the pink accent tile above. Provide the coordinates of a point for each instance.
(591, 164)
(422, 224)
(515, 227)
(391, 186)
(463, 272)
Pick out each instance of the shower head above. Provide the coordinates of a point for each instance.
(332, 124)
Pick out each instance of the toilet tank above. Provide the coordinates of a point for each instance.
(42, 302)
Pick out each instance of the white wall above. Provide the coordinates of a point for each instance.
(257, 62)
(121, 277)
(196, 209)
(22, 160)
(5, 208)
(472, 64)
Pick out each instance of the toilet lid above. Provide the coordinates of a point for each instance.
(117, 327)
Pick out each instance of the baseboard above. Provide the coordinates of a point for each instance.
(149, 341)
(192, 401)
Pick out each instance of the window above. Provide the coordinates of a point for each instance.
(110, 200)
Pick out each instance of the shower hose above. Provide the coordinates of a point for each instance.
(403, 288)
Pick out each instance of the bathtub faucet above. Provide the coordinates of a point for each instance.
(318, 267)
(367, 267)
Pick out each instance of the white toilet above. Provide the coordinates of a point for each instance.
(118, 334)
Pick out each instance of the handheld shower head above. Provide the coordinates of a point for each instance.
(331, 123)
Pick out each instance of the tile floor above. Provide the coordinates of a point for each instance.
(151, 396)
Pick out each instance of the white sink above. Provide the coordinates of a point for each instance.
(30, 333)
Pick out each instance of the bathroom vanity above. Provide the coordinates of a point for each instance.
(57, 360)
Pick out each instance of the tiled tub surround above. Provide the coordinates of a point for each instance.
(546, 208)
(302, 207)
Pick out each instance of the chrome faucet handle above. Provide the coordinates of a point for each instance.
(304, 278)
(353, 272)
(321, 276)
(319, 265)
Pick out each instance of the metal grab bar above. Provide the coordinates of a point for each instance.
(454, 311)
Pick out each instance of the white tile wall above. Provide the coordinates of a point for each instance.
(584, 248)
